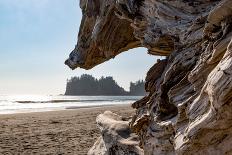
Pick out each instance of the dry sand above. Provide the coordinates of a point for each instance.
(57, 132)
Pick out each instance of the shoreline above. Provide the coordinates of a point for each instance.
(71, 131)
(66, 108)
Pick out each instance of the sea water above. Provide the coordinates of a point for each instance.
(33, 103)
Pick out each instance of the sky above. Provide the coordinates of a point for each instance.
(36, 36)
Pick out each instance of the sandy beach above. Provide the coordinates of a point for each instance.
(56, 132)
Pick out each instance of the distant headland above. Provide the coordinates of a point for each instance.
(87, 85)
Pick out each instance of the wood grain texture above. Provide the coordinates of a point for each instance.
(188, 109)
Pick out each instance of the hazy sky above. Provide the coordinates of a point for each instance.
(36, 36)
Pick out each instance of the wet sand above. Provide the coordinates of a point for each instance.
(58, 132)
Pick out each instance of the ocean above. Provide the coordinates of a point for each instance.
(34, 103)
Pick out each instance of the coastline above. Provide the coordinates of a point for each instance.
(54, 132)
(26, 104)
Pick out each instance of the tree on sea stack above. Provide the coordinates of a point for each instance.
(88, 85)
(106, 86)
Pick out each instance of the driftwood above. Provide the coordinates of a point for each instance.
(189, 106)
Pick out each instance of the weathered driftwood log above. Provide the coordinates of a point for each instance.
(116, 138)
(189, 106)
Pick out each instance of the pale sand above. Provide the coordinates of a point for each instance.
(57, 132)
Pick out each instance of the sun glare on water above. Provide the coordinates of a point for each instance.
(34, 98)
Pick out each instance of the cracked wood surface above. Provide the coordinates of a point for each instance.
(188, 106)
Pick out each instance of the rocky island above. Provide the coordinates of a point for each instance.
(87, 85)
(188, 108)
